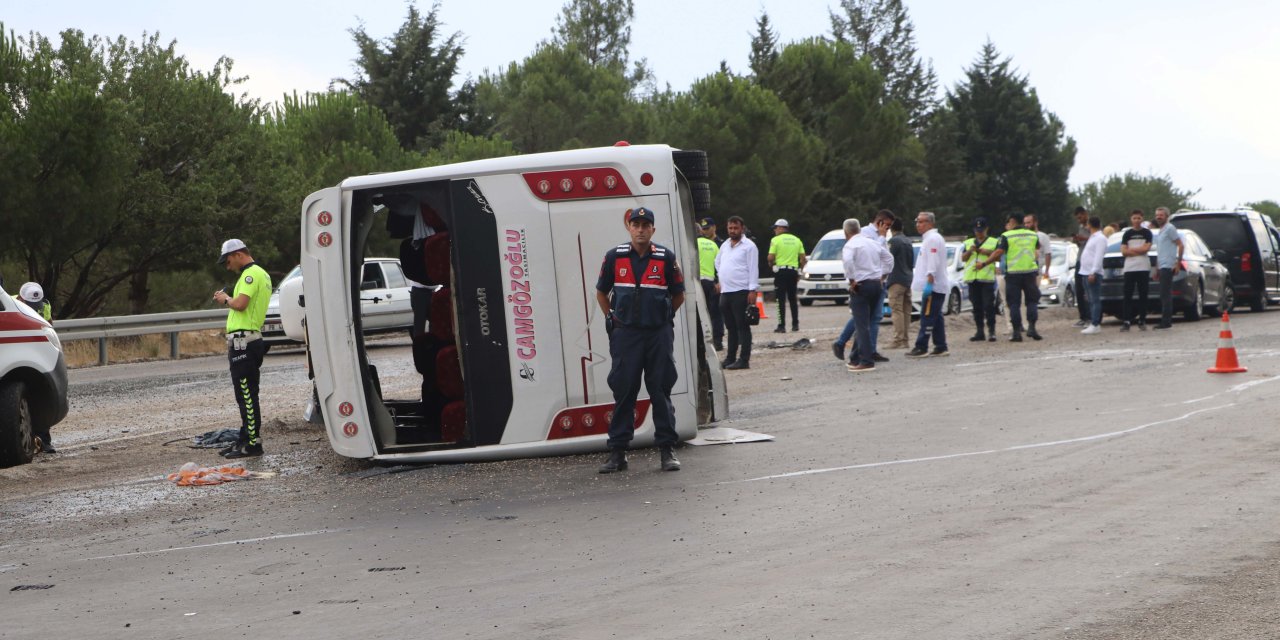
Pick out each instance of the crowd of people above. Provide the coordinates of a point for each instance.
(881, 266)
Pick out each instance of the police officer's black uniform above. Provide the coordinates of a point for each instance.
(641, 342)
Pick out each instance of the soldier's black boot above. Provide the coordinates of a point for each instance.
(669, 461)
(1017, 335)
(1031, 332)
(617, 461)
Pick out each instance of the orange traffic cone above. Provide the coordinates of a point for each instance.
(1227, 362)
(760, 307)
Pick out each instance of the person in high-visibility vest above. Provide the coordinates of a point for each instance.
(245, 349)
(1020, 246)
(981, 281)
(787, 257)
(32, 295)
(708, 249)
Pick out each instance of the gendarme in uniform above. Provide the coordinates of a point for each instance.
(639, 289)
(245, 349)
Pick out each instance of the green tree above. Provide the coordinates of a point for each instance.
(316, 141)
(1266, 207)
(882, 31)
(759, 177)
(195, 156)
(764, 49)
(600, 30)
(556, 99)
(410, 77)
(117, 161)
(464, 147)
(1113, 197)
(1016, 155)
(839, 98)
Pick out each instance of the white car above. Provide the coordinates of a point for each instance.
(1060, 286)
(384, 301)
(33, 380)
(822, 277)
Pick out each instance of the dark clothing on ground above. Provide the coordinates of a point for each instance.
(1016, 287)
(733, 306)
(784, 285)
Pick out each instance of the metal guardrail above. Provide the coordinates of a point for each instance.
(101, 329)
(121, 326)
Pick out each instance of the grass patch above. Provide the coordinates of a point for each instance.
(84, 353)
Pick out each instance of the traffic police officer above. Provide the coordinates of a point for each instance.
(248, 304)
(32, 294)
(1021, 274)
(786, 255)
(707, 250)
(982, 281)
(647, 288)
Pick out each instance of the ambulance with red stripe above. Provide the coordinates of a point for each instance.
(33, 380)
(514, 357)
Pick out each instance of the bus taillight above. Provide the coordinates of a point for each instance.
(577, 184)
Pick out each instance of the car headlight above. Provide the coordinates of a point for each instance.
(53, 338)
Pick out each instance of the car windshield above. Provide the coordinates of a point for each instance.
(828, 249)
(1059, 255)
(1219, 232)
(295, 273)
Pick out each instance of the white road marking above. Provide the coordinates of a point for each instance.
(952, 456)
(220, 544)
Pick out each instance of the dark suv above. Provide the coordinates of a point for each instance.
(1247, 243)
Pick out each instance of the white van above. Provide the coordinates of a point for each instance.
(822, 277)
(521, 357)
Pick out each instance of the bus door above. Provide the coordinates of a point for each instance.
(582, 232)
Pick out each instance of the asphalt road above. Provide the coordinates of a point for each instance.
(1079, 487)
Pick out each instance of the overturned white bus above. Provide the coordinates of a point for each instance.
(514, 356)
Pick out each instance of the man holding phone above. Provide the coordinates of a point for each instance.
(245, 349)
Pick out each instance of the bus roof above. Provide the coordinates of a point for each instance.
(651, 157)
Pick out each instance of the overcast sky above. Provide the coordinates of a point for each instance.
(1186, 88)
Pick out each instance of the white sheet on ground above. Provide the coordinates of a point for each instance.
(727, 435)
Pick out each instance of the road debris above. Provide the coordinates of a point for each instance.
(193, 475)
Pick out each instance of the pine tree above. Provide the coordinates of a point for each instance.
(764, 49)
(600, 30)
(410, 77)
(1016, 156)
(882, 31)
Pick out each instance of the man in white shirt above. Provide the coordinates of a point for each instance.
(931, 275)
(738, 265)
(866, 260)
(1091, 270)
